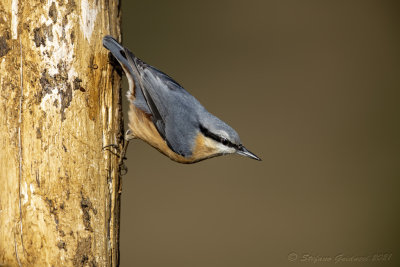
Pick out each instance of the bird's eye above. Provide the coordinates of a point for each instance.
(225, 141)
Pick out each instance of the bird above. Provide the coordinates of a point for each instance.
(167, 117)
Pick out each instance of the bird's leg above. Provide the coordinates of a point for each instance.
(121, 153)
(127, 138)
(123, 169)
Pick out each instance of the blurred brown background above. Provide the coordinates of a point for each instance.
(312, 87)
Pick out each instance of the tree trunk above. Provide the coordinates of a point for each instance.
(59, 106)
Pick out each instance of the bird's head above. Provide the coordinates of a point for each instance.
(220, 139)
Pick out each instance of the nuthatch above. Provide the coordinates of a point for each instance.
(167, 117)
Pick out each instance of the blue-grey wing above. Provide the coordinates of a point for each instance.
(143, 99)
(174, 110)
(140, 101)
(180, 132)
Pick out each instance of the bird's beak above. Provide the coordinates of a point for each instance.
(244, 152)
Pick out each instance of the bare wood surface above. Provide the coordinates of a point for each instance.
(59, 105)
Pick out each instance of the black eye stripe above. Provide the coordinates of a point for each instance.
(217, 138)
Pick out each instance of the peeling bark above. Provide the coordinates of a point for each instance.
(60, 104)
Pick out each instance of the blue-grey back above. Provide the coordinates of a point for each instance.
(178, 109)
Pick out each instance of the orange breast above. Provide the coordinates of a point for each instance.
(143, 128)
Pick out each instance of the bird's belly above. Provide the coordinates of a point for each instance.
(143, 128)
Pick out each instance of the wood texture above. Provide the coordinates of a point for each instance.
(59, 105)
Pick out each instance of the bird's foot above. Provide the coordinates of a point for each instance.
(121, 152)
(114, 146)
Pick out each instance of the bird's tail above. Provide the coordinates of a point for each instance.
(118, 51)
(129, 64)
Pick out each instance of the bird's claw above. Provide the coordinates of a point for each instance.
(121, 152)
(111, 145)
(116, 147)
